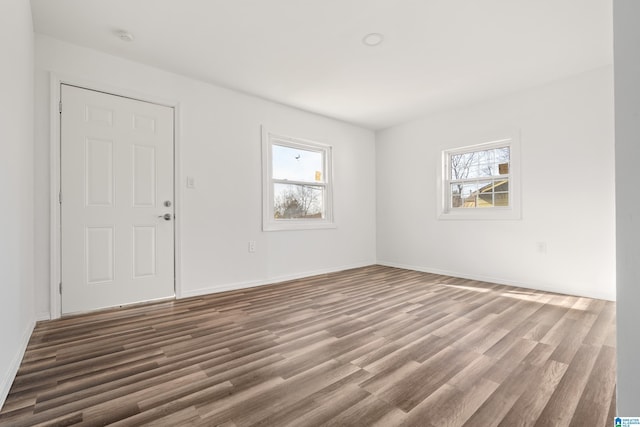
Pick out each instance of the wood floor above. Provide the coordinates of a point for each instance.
(370, 346)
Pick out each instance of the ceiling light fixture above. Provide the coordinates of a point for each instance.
(373, 39)
(124, 35)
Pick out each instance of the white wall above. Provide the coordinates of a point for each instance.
(566, 131)
(220, 147)
(16, 174)
(627, 107)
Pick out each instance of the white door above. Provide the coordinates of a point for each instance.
(116, 188)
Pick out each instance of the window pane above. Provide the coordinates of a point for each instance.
(480, 194)
(485, 200)
(296, 164)
(473, 171)
(480, 179)
(502, 155)
(501, 185)
(298, 201)
(469, 194)
(461, 165)
(502, 160)
(475, 186)
(456, 195)
(487, 169)
(501, 199)
(470, 201)
(486, 156)
(480, 164)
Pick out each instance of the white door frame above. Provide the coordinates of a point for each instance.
(56, 81)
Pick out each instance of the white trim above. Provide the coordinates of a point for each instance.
(268, 223)
(42, 316)
(177, 205)
(54, 171)
(295, 224)
(488, 144)
(55, 81)
(278, 279)
(513, 212)
(500, 281)
(7, 381)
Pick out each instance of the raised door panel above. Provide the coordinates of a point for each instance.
(98, 172)
(144, 176)
(144, 251)
(99, 256)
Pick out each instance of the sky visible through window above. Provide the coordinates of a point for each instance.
(295, 164)
(295, 171)
(475, 164)
(480, 178)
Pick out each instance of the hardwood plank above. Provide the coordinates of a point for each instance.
(426, 379)
(562, 404)
(375, 346)
(451, 406)
(320, 406)
(595, 402)
(368, 412)
(528, 407)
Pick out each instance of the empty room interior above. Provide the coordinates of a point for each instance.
(415, 212)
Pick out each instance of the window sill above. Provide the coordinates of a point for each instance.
(297, 225)
(481, 215)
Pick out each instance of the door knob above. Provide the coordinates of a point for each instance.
(167, 216)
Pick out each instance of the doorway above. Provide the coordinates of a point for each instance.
(116, 200)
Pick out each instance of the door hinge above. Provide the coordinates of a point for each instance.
(60, 288)
(60, 106)
(60, 197)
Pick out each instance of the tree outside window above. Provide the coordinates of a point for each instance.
(298, 185)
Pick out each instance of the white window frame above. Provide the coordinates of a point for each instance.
(269, 223)
(511, 212)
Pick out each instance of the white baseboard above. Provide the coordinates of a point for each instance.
(43, 316)
(10, 374)
(500, 281)
(278, 279)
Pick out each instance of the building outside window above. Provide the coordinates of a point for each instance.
(480, 181)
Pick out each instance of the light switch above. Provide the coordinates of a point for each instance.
(191, 182)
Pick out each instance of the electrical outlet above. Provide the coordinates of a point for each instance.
(252, 246)
(542, 247)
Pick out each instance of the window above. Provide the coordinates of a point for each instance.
(296, 183)
(480, 182)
